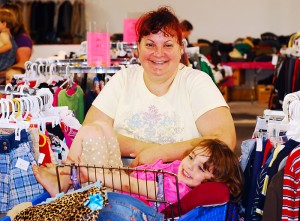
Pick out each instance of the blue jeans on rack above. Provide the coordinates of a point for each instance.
(123, 207)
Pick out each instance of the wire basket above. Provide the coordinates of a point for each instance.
(201, 213)
(210, 213)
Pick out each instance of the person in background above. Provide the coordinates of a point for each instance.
(187, 29)
(8, 46)
(23, 41)
(160, 109)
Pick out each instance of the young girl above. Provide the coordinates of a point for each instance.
(211, 160)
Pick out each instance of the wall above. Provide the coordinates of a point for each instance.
(47, 51)
(223, 20)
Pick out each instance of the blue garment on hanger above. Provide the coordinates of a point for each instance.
(251, 173)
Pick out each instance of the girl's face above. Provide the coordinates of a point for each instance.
(191, 171)
(159, 54)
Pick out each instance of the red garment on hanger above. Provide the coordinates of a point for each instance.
(70, 91)
(44, 147)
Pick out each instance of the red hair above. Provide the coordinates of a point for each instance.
(162, 20)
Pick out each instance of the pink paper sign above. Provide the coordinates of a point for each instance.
(98, 53)
(129, 34)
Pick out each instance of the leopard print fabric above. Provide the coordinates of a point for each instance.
(68, 207)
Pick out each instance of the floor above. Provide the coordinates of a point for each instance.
(244, 114)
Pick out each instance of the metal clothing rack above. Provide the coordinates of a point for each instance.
(125, 45)
(26, 91)
(79, 66)
(73, 66)
(86, 69)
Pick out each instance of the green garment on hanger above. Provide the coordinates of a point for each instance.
(207, 69)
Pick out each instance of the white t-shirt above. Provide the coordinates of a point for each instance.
(139, 114)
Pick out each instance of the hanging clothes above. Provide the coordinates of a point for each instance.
(17, 183)
(64, 22)
(291, 187)
(266, 175)
(74, 102)
(273, 202)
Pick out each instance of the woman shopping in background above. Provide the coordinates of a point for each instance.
(23, 41)
(161, 109)
(8, 46)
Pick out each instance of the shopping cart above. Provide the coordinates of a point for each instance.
(160, 202)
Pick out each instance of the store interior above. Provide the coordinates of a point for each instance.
(250, 50)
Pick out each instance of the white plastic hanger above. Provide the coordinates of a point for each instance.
(53, 75)
(294, 123)
(120, 49)
(6, 122)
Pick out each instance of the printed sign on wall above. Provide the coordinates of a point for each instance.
(98, 53)
(129, 34)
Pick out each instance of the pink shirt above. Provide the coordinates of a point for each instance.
(170, 190)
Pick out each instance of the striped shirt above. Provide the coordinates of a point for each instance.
(291, 187)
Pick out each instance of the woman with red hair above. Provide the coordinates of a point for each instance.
(160, 109)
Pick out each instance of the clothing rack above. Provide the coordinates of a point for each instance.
(86, 69)
(21, 91)
(125, 61)
(83, 62)
(125, 45)
(263, 157)
(68, 67)
(71, 61)
(80, 66)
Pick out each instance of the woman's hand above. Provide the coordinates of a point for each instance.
(147, 155)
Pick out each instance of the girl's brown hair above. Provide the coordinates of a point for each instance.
(225, 164)
(162, 20)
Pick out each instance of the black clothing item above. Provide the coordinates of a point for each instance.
(273, 202)
(42, 22)
(64, 22)
(89, 98)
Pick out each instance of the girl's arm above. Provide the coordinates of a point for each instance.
(6, 43)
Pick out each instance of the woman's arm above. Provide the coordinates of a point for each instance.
(128, 146)
(216, 123)
(23, 54)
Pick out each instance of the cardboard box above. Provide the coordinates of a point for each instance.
(225, 92)
(242, 94)
(263, 93)
(238, 77)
